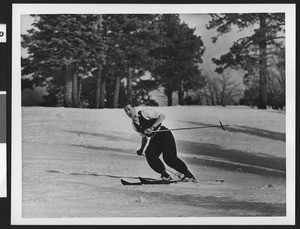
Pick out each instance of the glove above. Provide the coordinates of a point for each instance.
(139, 152)
(149, 130)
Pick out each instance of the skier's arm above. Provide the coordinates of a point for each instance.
(144, 145)
(159, 118)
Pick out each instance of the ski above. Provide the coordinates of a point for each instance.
(124, 182)
(156, 181)
(151, 181)
(145, 181)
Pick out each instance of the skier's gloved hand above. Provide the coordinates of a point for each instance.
(139, 152)
(149, 130)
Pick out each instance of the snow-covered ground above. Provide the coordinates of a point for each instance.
(67, 153)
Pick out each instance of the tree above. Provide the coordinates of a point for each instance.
(97, 61)
(114, 68)
(222, 89)
(98, 58)
(276, 79)
(130, 39)
(250, 53)
(142, 89)
(141, 38)
(178, 56)
(61, 48)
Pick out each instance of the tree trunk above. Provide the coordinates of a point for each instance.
(117, 92)
(170, 96)
(74, 90)
(180, 95)
(68, 89)
(206, 97)
(262, 98)
(102, 92)
(212, 94)
(79, 90)
(98, 88)
(200, 98)
(223, 90)
(216, 93)
(129, 85)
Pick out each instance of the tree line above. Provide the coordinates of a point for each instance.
(97, 61)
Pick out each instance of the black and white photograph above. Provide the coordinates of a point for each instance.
(153, 114)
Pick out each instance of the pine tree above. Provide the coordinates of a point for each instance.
(178, 57)
(62, 48)
(130, 38)
(250, 53)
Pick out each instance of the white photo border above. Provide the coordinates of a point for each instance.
(16, 145)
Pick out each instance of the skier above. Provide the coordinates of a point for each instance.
(154, 144)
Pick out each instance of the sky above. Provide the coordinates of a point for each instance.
(199, 21)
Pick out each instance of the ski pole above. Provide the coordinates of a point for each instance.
(175, 174)
(195, 127)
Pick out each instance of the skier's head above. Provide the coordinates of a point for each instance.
(130, 110)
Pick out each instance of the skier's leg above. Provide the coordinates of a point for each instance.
(152, 156)
(170, 155)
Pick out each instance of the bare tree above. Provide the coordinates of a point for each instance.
(222, 89)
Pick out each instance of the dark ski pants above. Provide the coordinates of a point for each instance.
(164, 143)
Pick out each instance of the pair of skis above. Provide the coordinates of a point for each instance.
(150, 181)
(143, 180)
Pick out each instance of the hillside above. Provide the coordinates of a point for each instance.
(70, 155)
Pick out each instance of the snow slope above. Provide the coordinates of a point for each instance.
(68, 153)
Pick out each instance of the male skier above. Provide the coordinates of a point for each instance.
(154, 144)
